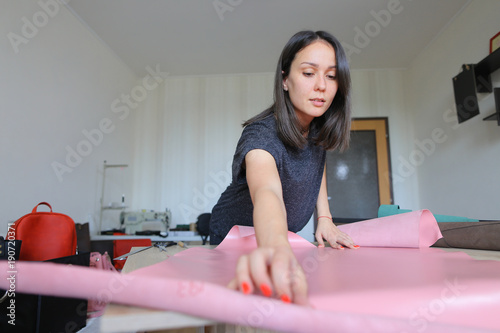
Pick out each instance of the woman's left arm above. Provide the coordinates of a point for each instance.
(326, 230)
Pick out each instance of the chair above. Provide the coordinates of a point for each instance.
(203, 226)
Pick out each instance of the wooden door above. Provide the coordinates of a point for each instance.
(359, 180)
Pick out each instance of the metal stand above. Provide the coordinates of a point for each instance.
(103, 208)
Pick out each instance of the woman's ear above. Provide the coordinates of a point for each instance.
(285, 85)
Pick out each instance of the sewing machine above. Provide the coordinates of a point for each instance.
(145, 220)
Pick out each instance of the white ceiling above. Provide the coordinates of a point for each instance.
(189, 37)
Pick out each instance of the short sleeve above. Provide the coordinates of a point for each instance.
(258, 135)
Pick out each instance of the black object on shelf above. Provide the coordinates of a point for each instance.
(495, 116)
(464, 86)
(472, 79)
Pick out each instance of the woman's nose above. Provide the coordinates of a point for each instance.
(320, 83)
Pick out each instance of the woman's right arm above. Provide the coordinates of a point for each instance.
(272, 267)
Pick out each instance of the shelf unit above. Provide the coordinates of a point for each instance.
(483, 70)
(102, 207)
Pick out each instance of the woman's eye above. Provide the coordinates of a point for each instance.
(332, 77)
(308, 74)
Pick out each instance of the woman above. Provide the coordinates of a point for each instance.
(279, 166)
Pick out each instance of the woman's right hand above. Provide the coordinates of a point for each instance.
(272, 268)
(274, 272)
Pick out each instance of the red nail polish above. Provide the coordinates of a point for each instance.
(285, 298)
(245, 287)
(341, 247)
(356, 246)
(266, 290)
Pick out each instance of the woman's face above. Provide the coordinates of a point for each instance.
(312, 81)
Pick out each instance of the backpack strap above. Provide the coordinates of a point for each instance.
(42, 203)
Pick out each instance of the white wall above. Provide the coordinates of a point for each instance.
(187, 137)
(60, 82)
(381, 93)
(458, 173)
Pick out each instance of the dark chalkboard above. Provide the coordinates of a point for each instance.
(352, 178)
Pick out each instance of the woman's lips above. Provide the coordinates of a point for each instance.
(318, 102)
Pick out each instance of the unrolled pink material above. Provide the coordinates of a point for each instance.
(414, 229)
(372, 289)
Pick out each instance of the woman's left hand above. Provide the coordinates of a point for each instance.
(337, 239)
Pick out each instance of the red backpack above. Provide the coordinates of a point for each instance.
(45, 235)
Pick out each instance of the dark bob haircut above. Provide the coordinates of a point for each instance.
(332, 129)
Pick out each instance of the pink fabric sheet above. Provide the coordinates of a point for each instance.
(377, 288)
